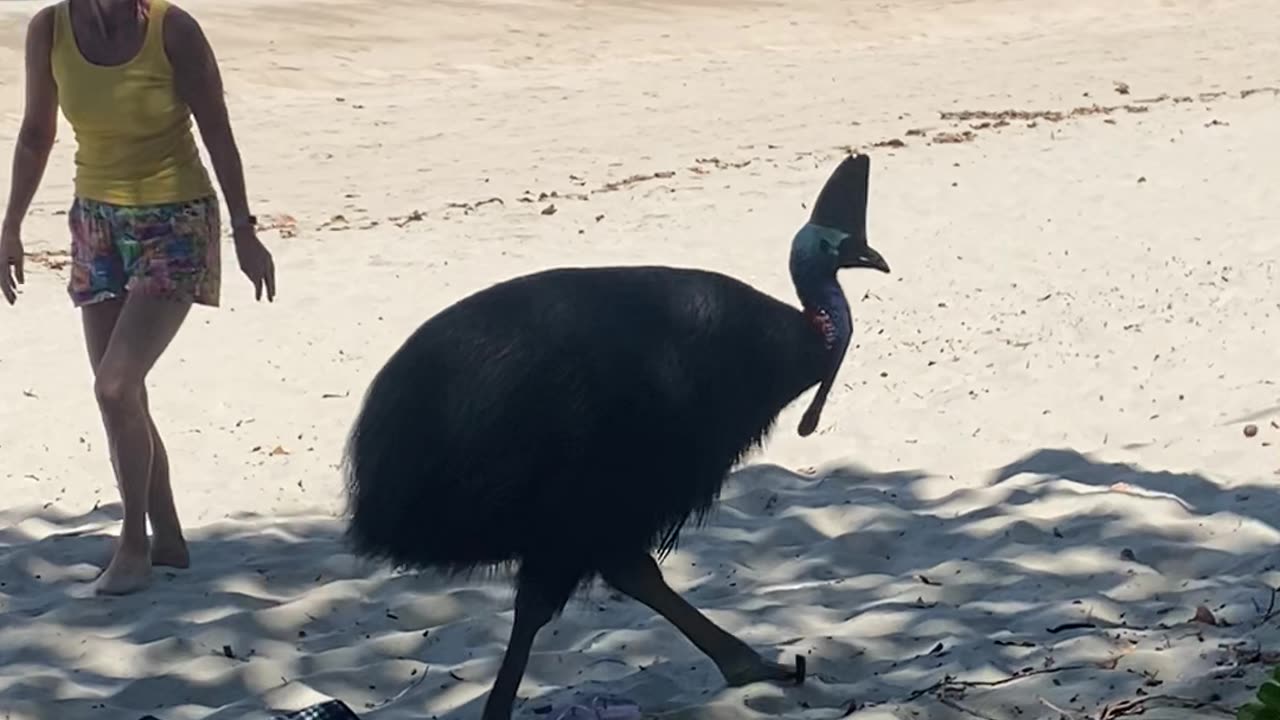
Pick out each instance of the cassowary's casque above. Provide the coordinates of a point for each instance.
(571, 421)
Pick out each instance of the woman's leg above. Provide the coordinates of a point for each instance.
(168, 546)
(143, 329)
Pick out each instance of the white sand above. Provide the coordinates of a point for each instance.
(1080, 322)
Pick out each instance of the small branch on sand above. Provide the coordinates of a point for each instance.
(1062, 712)
(1138, 705)
(1271, 608)
(1111, 711)
(967, 711)
(950, 683)
(418, 679)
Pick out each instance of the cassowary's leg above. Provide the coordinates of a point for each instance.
(640, 578)
(539, 596)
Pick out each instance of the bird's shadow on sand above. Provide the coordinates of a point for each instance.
(883, 587)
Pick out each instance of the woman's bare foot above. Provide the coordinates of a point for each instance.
(170, 552)
(128, 572)
(165, 552)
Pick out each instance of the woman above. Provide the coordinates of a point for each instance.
(129, 75)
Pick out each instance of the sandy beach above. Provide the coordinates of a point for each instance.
(1032, 494)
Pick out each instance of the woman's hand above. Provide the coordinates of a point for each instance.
(11, 263)
(198, 82)
(31, 151)
(255, 262)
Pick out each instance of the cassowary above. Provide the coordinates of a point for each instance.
(570, 422)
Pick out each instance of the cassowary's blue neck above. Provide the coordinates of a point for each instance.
(814, 261)
(815, 256)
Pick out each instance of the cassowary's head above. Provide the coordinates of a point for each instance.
(835, 237)
(838, 223)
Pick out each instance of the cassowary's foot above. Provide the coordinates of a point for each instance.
(738, 663)
(751, 668)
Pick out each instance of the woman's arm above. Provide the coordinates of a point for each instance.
(39, 121)
(199, 84)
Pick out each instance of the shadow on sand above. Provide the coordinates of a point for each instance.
(886, 590)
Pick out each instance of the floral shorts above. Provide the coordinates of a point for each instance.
(169, 250)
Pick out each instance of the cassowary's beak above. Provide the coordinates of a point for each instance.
(866, 257)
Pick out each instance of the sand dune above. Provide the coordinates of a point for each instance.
(1030, 477)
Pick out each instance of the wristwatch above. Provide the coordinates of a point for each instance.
(249, 221)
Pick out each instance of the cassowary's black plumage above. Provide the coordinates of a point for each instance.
(604, 404)
(571, 421)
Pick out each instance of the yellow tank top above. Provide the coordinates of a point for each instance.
(134, 144)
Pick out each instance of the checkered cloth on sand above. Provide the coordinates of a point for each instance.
(328, 710)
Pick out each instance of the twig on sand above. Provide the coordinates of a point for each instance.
(1062, 712)
(1271, 608)
(418, 679)
(1137, 706)
(1110, 711)
(950, 683)
(967, 711)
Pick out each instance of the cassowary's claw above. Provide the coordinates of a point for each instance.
(757, 669)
